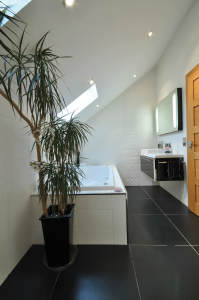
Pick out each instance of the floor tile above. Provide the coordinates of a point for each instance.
(172, 206)
(93, 276)
(142, 206)
(153, 230)
(157, 192)
(30, 279)
(188, 226)
(136, 192)
(103, 253)
(166, 272)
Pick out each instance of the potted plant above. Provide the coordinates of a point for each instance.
(34, 77)
(61, 182)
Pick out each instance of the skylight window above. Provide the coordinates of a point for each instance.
(80, 103)
(15, 6)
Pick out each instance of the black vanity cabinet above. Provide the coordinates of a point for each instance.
(163, 169)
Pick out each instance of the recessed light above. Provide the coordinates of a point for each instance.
(135, 75)
(97, 105)
(91, 81)
(150, 33)
(68, 2)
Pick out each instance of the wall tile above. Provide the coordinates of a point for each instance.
(4, 271)
(19, 250)
(7, 169)
(1, 198)
(95, 236)
(37, 236)
(15, 190)
(16, 232)
(15, 212)
(35, 215)
(3, 238)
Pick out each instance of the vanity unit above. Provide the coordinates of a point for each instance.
(162, 166)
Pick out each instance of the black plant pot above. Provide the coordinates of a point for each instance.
(56, 237)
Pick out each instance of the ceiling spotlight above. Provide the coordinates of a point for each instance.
(135, 75)
(97, 105)
(68, 3)
(150, 33)
(91, 81)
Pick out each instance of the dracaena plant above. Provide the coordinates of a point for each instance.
(61, 175)
(34, 77)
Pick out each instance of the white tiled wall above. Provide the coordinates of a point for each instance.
(181, 56)
(123, 128)
(17, 182)
(97, 219)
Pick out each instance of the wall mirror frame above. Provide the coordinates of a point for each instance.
(168, 113)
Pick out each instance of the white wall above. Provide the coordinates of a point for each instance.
(181, 56)
(122, 128)
(17, 182)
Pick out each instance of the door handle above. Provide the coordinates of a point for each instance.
(190, 143)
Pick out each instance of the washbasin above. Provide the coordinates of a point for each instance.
(159, 153)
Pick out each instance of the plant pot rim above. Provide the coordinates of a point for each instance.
(62, 217)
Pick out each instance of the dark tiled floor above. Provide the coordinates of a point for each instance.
(161, 262)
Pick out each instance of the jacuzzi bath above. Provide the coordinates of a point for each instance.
(100, 212)
(97, 178)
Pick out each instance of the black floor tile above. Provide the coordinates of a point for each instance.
(153, 230)
(157, 192)
(142, 206)
(136, 192)
(30, 279)
(172, 206)
(103, 253)
(188, 226)
(166, 273)
(94, 277)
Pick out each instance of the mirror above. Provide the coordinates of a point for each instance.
(168, 113)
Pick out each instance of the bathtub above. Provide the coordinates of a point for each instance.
(100, 213)
(97, 178)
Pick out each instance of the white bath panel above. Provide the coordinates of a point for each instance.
(119, 236)
(94, 218)
(119, 202)
(92, 202)
(119, 218)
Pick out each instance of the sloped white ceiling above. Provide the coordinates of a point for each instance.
(108, 40)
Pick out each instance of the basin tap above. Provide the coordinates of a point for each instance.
(160, 145)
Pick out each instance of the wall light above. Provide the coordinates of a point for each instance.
(150, 33)
(157, 125)
(174, 110)
(91, 81)
(68, 3)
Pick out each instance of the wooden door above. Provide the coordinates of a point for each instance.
(192, 86)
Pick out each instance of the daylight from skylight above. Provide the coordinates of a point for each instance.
(15, 6)
(80, 103)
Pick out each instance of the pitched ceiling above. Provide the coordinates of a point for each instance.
(108, 40)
